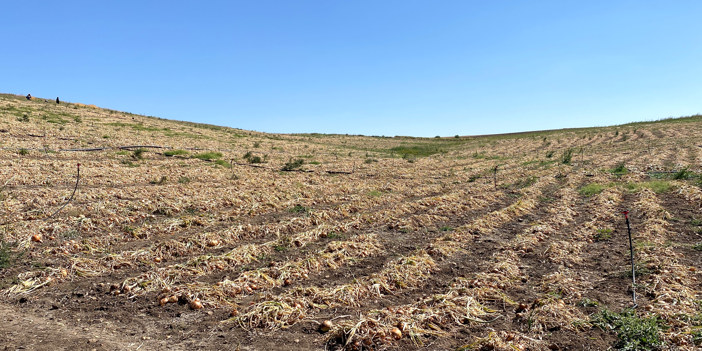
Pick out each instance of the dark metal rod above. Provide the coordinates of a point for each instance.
(631, 251)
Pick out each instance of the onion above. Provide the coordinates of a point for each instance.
(163, 301)
(396, 333)
(196, 304)
(326, 326)
(36, 238)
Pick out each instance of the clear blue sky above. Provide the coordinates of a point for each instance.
(405, 67)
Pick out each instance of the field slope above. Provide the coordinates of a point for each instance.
(121, 231)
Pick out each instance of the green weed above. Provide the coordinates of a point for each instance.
(177, 152)
(567, 156)
(682, 174)
(138, 154)
(208, 156)
(619, 170)
(292, 165)
(591, 189)
(603, 234)
(299, 209)
(633, 332)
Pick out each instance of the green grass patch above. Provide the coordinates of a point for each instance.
(223, 163)
(375, 193)
(423, 150)
(697, 246)
(591, 189)
(299, 209)
(177, 152)
(208, 156)
(603, 234)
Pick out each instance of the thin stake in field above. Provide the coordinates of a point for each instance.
(631, 250)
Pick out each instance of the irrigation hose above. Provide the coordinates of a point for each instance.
(72, 194)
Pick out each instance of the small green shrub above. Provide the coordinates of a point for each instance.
(248, 156)
(292, 165)
(183, 180)
(591, 189)
(620, 169)
(698, 246)
(633, 332)
(682, 174)
(23, 151)
(299, 209)
(208, 156)
(24, 118)
(567, 156)
(177, 152)
(138, 154)
(549, 154)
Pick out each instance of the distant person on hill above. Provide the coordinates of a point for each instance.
(29, 96)
(57, 100)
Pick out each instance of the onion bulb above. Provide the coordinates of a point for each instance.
(196, 304)
(326, 326)
(396, 333)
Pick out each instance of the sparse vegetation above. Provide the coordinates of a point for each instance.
(177, 152)
(394, 255)
(251, 158)
(138, 154)
(567, 156)
(591, 189)
(292, 165)
(208, 156)
(620, 169)
(633, 332)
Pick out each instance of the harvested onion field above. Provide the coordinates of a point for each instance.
(183, 236)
